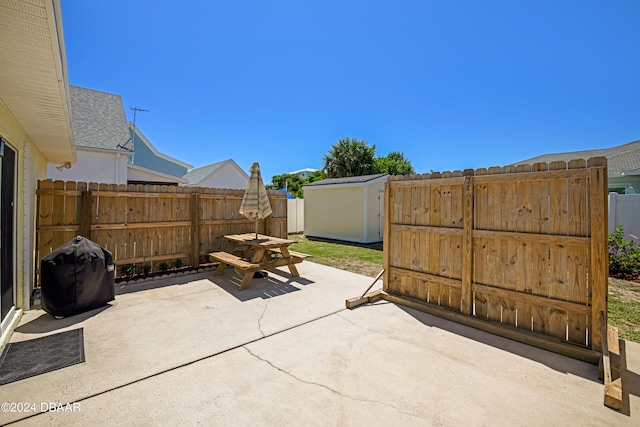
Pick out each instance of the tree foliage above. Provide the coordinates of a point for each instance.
(349, 157)
(394, 163)
(315, 176)
(352, 157)
(293, 183)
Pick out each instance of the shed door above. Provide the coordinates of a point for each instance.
(7, 213)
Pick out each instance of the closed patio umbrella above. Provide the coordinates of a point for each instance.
(255, 202)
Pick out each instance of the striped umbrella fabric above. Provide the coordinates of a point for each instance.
(255, 202)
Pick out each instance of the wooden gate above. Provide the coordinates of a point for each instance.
(520, 250)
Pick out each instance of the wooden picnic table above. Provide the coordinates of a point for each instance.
(264, 253)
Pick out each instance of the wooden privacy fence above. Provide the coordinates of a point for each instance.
(523, 247)
(147, 224)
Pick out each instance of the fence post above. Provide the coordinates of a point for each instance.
(195, 229)
(86, 217)
(466, 303)
(386, 234)
(599, 254)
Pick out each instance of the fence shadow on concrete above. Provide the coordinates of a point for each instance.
(552, 360)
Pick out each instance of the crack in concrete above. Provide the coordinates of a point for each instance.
(266, 305)
(355, 324)
(179, 366)
(334, 391)
(369, 329)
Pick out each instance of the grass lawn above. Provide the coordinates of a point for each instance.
(624, 296)
(361, 259)
(624, 308)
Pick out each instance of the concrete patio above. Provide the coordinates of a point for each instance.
(193, 349)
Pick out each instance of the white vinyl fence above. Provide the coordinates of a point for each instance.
(295, 215)
(624, 210)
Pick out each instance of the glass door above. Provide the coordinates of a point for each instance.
(7, 232)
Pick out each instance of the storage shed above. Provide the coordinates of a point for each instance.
(349, 209)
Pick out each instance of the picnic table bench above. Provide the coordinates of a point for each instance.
(270, 252)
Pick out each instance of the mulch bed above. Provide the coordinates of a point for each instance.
(630, 277)
(161, 273)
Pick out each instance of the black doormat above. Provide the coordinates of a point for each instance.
(26, 359)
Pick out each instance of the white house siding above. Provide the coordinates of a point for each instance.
(34, 170)
(102, 166)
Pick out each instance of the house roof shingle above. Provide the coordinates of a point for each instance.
(622, 158)
(98, 119)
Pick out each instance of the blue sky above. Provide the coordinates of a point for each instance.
(451, 84)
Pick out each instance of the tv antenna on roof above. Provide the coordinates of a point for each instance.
(135, 110)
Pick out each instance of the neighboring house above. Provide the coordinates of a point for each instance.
(303, 173)
(106, 144)
(35, 128)
(100, 132)
(149, 166)
(623, 165)
(225, 174)
(349, 209)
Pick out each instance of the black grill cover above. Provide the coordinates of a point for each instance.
(77, 277)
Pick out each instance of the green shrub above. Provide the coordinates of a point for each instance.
(178, 263)
(624, 256)
(128, 270)
(146, 269)
(163, 267)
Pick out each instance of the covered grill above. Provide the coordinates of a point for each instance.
(76, 277)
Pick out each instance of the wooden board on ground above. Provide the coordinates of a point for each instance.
(611, 365)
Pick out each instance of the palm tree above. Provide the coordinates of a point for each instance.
(349, 157)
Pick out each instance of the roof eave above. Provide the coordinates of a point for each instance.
(34, 87)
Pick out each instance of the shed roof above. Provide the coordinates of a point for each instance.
(347, 180)
(97, 118)
(620, 159)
